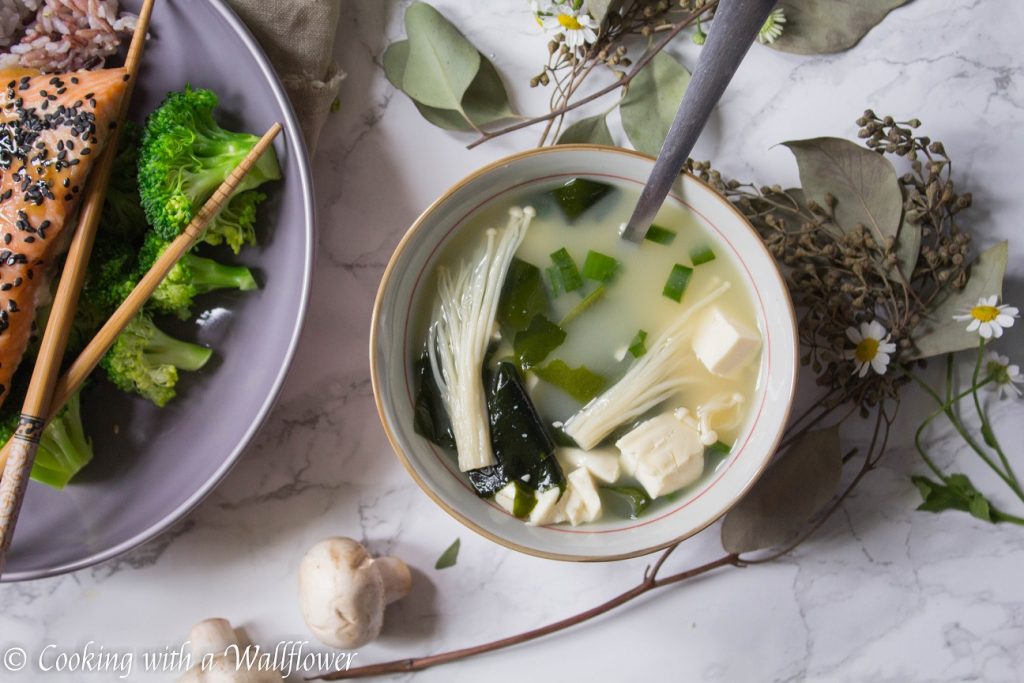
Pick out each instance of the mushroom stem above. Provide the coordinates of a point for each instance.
(396, 577)
(211, 636)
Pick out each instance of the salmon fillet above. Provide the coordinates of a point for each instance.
(52, 127)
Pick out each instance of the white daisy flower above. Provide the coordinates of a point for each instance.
(772, 28)
(872, 348)
(988, 317)
(1005, 377)
(578, 27)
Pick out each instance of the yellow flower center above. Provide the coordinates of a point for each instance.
(867, 349)
(985, 314)
(569, 22)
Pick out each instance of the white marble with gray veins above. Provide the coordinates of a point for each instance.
(882, 593)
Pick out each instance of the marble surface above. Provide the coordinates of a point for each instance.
(882, 593)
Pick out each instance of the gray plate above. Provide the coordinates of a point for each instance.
(154, 465)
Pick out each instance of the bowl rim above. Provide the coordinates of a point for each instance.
(376, 380)
(297, 148)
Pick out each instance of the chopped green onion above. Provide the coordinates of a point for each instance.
(581, 383)
(578, 195)
(567, 270)
(660, 235)
(629, 501)
(533, 344)
(699, 255)
(600, 267)
(555, 280)
(449, 556)
(677, 281)
(588, 301)
(638, 346)
(720, 448)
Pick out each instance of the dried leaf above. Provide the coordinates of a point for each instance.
(938, 333)
(863, 183)
(651, 102)
(787, 496)
(485, 102)
(599, 8)
(593, 130)
(815, 27)
(450, 556)
(908, 248)
(441, 63)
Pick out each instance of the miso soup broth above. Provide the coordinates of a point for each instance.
(598, 391)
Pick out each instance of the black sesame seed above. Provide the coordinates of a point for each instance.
(6, 286)
(7, 238)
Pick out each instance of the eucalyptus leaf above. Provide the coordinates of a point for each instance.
(956, 493)
(593, 130)
(651, 102)
(441, 63)
(908, 248)
(815, 27)
(450, 556)
(863, 183)
(599, 9)
(938, 333)
(485, 102)
(787, 496)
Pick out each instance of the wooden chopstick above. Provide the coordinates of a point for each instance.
(62, 313)
(90, 356)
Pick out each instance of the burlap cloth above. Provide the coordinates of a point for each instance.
(298, 37)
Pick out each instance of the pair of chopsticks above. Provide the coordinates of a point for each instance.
(46, 393)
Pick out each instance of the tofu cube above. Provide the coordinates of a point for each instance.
(602, 463)
(664, 454)
(505, 497)
(581, 502)
(546, 509)
(724, 345)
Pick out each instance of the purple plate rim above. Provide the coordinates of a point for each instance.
(298, 148)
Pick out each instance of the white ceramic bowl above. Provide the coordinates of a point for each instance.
(395, 341)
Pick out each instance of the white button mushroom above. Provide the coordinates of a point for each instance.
(343, 591)
(216, 651)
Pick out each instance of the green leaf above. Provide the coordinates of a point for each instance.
(582, 307)
(938, 333)
(638, 346)
(522, 296)
(815, 27)
(787, 496)
(441, 63)
(537, 341)
(660, 235)
(651, 102)
(956, 493)
(863, 183)
(598, 266)
(581, 383)
(485, 102)
(450, 556)
(568, 273)
(591, 130)
(626, 501)
(677, 281)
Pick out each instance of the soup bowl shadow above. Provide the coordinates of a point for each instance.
(396, 338)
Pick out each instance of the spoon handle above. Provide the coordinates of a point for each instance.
(736, 24)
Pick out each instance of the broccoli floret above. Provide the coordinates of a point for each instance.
(64, 448)
(145, 361)
(123, 216)
(185, 155)
(235, 224)
(191, 276)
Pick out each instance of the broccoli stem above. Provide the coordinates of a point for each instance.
(163, 349)
(64, 448)
(209, 275)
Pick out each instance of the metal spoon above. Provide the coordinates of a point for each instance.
(736, 24)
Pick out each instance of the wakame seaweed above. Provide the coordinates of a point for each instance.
(430, 418)
(519, 439)
(522, 296)
(578, 195)
(536, 342)
(582, 383)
